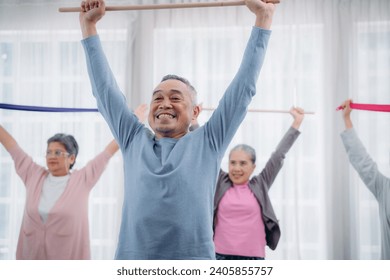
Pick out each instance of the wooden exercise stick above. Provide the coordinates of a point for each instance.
(167, 6)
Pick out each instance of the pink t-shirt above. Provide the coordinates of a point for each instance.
(239, 229)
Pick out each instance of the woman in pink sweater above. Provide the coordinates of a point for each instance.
(55, 220)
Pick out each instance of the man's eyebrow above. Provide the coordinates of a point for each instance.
(171, 91)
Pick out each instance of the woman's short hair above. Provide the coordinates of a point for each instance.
(69, 143)
(246, 148)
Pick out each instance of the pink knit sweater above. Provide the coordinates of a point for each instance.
(65, 235)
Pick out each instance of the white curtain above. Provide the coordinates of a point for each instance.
(320, 53)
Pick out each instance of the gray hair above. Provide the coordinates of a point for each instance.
(194, 94)
(246, 148)
(69, 143)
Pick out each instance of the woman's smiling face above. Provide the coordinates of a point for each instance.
(241, 167)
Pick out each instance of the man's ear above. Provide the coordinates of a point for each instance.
(195, 112)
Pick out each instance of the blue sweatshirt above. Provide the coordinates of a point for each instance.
(170, 183)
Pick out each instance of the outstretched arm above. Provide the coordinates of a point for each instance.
(112, 147)
(224, 122)
(363, 163)
(141, 113)
(298, 115)
(92, 12)
(110, 100)
(6, 139)
(347, 113)
(263, 11)
(275, 163)
(359, 157)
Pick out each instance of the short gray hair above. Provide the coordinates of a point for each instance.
(246, 148)
(194, 94)
(69, 143)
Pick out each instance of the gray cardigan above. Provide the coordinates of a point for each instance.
(260, 186)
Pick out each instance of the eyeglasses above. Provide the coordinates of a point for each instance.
(56, 154)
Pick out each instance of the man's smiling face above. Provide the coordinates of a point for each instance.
(171, 109)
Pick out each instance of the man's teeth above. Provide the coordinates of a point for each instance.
(165, 116)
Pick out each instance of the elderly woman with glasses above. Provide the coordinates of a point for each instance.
(55, 221)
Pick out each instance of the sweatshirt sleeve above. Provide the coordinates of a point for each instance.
(232, 108)
(91, 173)
(26, 168)
(110, 100)
(363, 163)
(274, 165)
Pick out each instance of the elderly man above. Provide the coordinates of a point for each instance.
(170, 173)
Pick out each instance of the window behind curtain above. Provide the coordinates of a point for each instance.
(292, 73)
(43, 68)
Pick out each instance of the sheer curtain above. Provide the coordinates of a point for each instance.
(320, 53)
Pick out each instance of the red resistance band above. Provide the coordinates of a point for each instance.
(368, 107)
